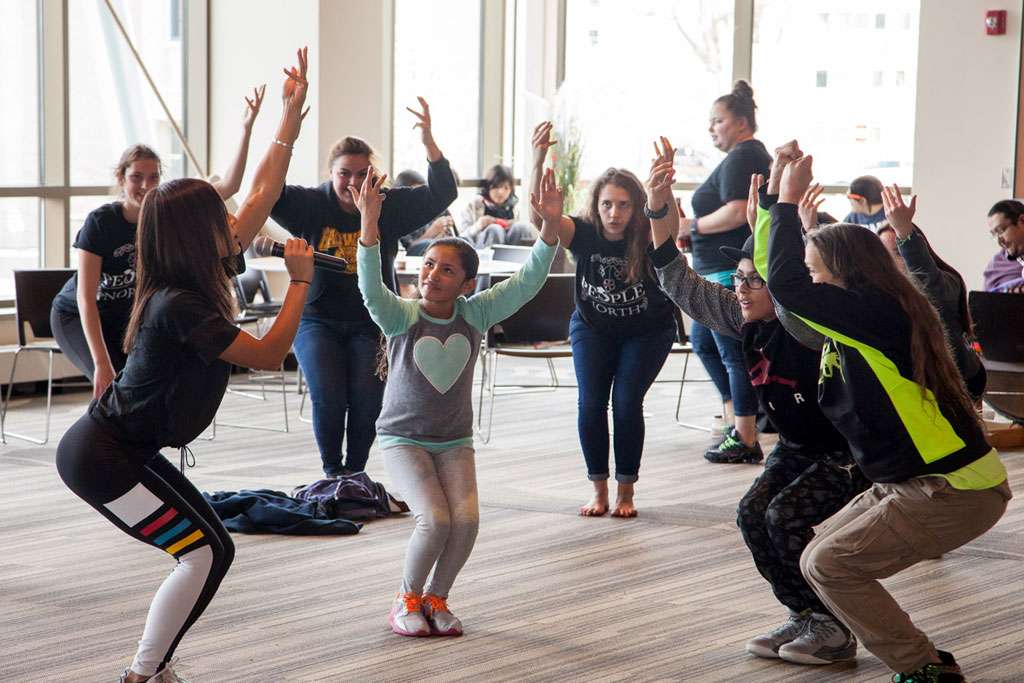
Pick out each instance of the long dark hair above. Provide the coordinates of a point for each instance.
(858, 258)
(638, 232)
(182, 231)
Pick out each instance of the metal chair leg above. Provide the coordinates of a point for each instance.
(679, 399)
(7, 402)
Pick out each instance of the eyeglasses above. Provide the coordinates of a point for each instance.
(999, 230)
(752, 282)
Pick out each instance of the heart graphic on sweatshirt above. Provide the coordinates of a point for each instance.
(441, 363)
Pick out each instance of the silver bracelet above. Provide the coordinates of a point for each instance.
(283, 144)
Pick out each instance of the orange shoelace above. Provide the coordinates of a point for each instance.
(437, 604)
(413, 602)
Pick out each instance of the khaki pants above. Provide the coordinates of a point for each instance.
(883, 531)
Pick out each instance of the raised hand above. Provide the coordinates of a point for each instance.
(663, 152)
(551, 200)
(293, 93)
(541, 141)
(252, 107)
(899, 214)
(783, 155)
(659, 185)
(756, 181)
(809, 205)
(368, 198)
(425, 124)
(796, 178)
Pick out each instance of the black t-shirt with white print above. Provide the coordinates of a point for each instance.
(605, 299)
(107, 234)
(173, 382)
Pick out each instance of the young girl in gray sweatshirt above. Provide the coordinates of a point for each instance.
(425, 429)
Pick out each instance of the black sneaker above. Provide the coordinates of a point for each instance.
(946, 671)
(733, 450)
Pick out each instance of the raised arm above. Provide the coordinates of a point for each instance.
(269, 351)
(542, 140)
(660, 202)
(548, 205)
(392, 314)
(228, 185)
(942, 287)
(270, 173)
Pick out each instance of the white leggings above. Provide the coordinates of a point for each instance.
(440, 489)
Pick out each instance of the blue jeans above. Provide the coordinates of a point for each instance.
(722, 357)
(339, 360)
(625, 368)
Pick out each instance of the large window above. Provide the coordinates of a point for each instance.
(437, 57)
(110, 106)
(636, 70)
(840, 77)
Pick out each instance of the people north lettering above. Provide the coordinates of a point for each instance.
(607, 298)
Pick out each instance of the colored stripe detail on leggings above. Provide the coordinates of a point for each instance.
(185, 542)
(158, 523)
(172, 532)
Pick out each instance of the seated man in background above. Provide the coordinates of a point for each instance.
(417, 241)
(1005, 272)
(865, 195)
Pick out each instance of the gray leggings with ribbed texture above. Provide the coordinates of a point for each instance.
(440, 489)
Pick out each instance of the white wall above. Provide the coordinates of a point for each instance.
(966, 118)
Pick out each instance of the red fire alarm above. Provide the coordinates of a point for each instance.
(995, 22)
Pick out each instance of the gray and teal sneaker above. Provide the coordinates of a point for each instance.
(733, 450)
(768, 644)
(824, 640)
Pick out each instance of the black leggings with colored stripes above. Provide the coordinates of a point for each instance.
(145, 496)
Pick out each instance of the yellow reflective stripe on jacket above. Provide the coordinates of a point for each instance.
(932, 434)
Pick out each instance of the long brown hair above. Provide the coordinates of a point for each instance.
(638, 232)
(130, 156)
(182, 231)
(858, 258)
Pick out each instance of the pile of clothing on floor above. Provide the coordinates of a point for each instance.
(327, 506)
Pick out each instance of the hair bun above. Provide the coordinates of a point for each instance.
(743, 90)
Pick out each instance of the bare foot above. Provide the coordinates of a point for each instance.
(624, 506)
(598, 505)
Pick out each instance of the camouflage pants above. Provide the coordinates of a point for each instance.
(796, 491)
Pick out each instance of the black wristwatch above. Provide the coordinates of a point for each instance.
(660, 213)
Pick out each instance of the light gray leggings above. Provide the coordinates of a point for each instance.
(440, 489)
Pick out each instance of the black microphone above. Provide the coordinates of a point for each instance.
(265, 246)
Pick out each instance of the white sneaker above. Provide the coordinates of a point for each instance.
(768, 644)
(824, 640)
(441, 620)
(406, 617)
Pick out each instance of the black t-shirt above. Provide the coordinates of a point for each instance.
(173, 382)
(784, 374)
(313, 213)
(729, 181)
(107, 234)
(604, 297)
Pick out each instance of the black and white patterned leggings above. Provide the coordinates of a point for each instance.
(145, 496)
(777, 514)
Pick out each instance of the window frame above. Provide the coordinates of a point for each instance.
(55, 190)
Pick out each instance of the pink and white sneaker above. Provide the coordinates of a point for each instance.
(406, 616)
(441, 620)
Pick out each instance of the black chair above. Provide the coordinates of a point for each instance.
(248, 284)
(34, 291)
(999, 329)
(682, 346)
(540, 329)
